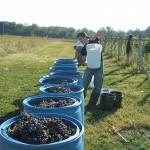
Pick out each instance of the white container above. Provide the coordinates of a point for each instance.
(94, 55)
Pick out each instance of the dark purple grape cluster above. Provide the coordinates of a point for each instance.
(59, 89)
(52, 103)
(32, 129)
(58, 82)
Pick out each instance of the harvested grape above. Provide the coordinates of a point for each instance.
(59, 89)
(53, 103)
(58, 82)
(32, 129)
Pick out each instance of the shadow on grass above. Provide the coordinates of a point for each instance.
(97, 114)
(145, 100)
(10, 115)
(125, 73)
(18, 104)
(113, 83)
(145, 80)
(113, 71)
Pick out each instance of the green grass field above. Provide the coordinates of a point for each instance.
(21, 70)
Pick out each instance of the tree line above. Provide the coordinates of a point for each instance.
(13, 28)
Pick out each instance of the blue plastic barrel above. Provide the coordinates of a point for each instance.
(77, 75)
(73, 110)
(69, 64)
(63, 69)
(75, 142)
(57, 80)
(77, 92)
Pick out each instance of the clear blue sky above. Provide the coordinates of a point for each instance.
(92, 14)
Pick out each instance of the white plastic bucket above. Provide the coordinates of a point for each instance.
(94, 55)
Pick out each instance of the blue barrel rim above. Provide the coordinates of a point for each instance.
(74, 80)
(14, 119)
(65, 59)
(75, 64)
(77, 73)
(55, 67)
(44, 87)
(56, 144)
(25, 102)
(62, 68)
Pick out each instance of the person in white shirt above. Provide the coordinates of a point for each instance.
(92, 53)
(78, 47)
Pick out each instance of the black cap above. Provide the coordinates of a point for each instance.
(83, 34)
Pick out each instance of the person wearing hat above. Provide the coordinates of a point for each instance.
(78, 55)
(92, 52)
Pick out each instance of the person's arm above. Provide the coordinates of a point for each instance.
(99, 34)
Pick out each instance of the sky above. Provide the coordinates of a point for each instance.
(91, 14)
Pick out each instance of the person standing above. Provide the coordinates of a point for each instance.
(129, 48)
(93, 54)
(78, 47)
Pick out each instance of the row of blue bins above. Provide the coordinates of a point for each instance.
(63, 70)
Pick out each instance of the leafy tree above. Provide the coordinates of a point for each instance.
(147, 32)
(61, 32)
(12, 28)
(27, 31)
(19, 29)
(1, 27)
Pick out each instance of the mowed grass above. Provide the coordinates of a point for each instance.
(21, 71)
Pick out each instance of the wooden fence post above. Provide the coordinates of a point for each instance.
(109, 47)
(119, 47)
(114, 46)
(125, 44)
(105, 42)
(112, 42)
(140, 52)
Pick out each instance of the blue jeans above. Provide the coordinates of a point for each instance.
(98, 81)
